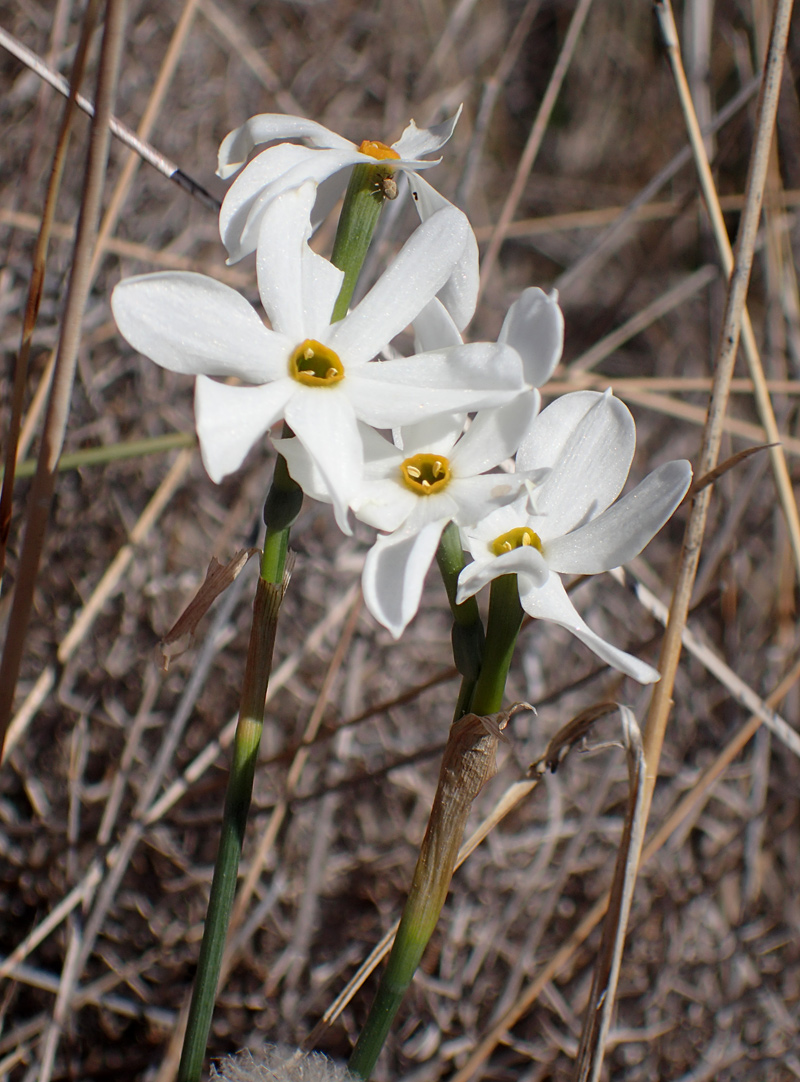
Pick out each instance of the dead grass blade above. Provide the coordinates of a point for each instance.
(597, 1020)
(534, 139)
(674, 297)
(783, 481)
(36, 284)
(66, 360)
(723, 468)
(566, 952)
(660, 704)
(101, 593)
(119, 130)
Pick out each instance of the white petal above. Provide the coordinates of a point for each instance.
(435, 436)
(494, 435)
(384, 504)
(422, 266)
(248, 202)
(534, 326)
(230, 420)
(408, 390)
(414, 142)
(191, 323)
(526, 560)
(623, 530)
(434, 328)
(303, 468)
(459, 294)
(477, 496)
(394, 574)
(322, 419)
(499, 521)
(267, 127)
(298, 287)
(550, 602)
(595, 449)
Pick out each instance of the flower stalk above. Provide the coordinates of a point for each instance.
(282, 506)
(467, 632)
(468, 763)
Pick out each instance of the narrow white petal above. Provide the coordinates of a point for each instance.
(298, 287)
(384, 504)
(534, 326)
(550, 602)
(623, 530)
(494, 435)
(477, 496)
(435, 436)
(525, 560)
(322, 419)
(420, 270)
(497, 522)
(230, 420)
(434, 328)
(191, 323)
(408, 390)
(394, 574)
(266, 128)
(303, 468)
(263, 171)
(246, 202)
(459, 294)
(414, 142)
(592, 465)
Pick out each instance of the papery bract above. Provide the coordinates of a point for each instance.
(317, 376)
(570, 524)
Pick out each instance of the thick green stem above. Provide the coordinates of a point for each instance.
(467, 763)
(363, 202)
(237, 803)
(505, 620)
(467, 633)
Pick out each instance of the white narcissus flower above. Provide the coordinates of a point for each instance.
(587, 441)
(316, 375)
(327, 162)
(439, 476)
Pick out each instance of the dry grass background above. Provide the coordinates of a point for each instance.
(110, 801)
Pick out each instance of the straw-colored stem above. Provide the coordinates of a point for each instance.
(66, 360)
(468, 762)
(783, 481)
(661, 701)
(36, 284)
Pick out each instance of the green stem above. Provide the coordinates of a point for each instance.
(362, 206)
(363, 202)
(234, 821)
(505, 620)
(467, 632)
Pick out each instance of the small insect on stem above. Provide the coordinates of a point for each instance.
(388, 185)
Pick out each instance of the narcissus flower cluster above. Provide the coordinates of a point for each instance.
(407, 444)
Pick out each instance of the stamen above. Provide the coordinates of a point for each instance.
(315, 365)
(517, 538)
(425, 474)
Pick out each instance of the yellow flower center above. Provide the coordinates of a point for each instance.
(516, 539)
(377, 150)
(315, 365)
(425, 474)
